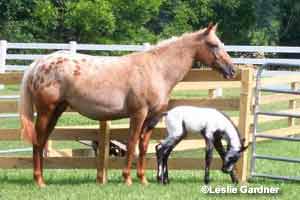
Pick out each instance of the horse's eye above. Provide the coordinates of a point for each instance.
(212, 45)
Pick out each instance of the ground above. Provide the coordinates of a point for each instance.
(185, 184)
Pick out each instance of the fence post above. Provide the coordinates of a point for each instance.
(146, 46)
(73, 46)
(214, 93)
(244, 119)
(292, 104)
(3, 50)
(102, 157)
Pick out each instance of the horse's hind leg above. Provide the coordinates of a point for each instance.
(42, 123)
(45, 123)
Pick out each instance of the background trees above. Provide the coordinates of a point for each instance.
(260, 22)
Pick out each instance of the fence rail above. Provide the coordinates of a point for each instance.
(195, 80)
(105, 132)
(74, 46)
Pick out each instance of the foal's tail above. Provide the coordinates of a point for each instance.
(26, 110)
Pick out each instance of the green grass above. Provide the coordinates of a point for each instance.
(185, 184)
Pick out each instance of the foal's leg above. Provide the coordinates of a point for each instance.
(136, 124)
(208, 158)
(163, 151)
(220, 149)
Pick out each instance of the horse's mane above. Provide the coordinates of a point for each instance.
(175, 39)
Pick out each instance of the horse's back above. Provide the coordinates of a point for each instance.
(197, 119)
(94, 87)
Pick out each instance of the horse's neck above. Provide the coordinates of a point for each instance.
(175, 63)
(234, 140)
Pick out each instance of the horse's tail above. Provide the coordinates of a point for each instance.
(26, 110)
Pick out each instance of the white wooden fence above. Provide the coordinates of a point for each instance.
(74, 46)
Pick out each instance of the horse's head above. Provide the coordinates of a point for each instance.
(231, 157)
(210, 51)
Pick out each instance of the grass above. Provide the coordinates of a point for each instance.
(185, 184)
(80, 184)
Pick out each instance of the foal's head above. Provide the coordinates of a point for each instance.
(232, 156)
(210, 51)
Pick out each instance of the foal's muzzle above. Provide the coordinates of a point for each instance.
(227, 169)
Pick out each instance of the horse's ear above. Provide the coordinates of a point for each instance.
(214, 28)
(209, 28)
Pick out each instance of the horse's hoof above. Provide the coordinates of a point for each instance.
(128, 182)
(41, 184)
(144, 182)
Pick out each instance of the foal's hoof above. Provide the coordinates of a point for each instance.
(166, 181)
(163, 181)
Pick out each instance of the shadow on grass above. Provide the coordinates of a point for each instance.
(92, 180)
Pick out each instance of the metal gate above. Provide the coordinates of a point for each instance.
(258, 113)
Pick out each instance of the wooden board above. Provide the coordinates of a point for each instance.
(11, 106)
(102, 157)
(114, 163)
(204, 85)
(196, 75)
(220, 103)
(10, 78)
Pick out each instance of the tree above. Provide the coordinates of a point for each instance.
(15, 19)
(289, 23)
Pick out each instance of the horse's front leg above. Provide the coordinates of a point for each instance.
(220, 149)
(136, 124)
(208, 159)
(143, 146)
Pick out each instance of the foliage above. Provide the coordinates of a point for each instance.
(260, 22)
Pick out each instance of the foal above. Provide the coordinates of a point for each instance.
(213, 125)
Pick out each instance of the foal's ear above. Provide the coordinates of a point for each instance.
(243, 148)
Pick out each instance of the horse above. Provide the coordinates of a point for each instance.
(135, 86)
(213, 125)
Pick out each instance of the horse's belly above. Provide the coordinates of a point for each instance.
(99, 109)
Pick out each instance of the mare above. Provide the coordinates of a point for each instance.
(135, 86)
